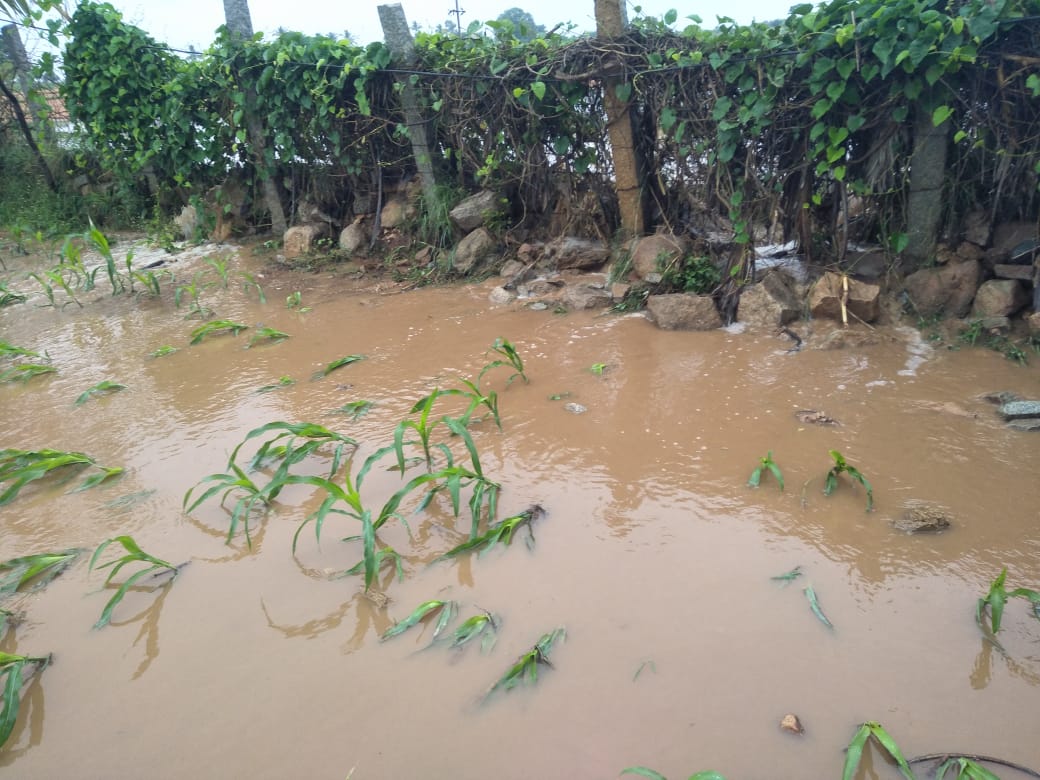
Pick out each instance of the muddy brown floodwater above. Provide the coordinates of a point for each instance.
(681, 653)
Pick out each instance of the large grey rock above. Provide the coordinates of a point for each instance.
(1028, 424)
(585, 296)
(501, 296)
(472, 250)
(683, 311)
(1020, 410)
(396, 212)
(187, 222)
(976, 228)
(301, 239)
(826, 296)
(1033, 321)
(770, 303)
(999, 298)
(470, 213)
(581, 253)
(652, 253)
(353, 236)
(947, 290)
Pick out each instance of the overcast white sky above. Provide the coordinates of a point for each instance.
(183, 22)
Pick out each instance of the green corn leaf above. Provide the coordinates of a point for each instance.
(100, 387)
(419, 614)
(775, 471)
(814, 605)
(642, 771)
(854, 752)
(890, 746)
(343, 361)
(106, 613)
(215, 326)
(789, 576)
(755, 478)
(11, 696)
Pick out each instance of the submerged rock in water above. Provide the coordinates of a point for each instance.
(791, 722)
(922, 518)
(1020, 410)
(1027, 424)
(574, 408)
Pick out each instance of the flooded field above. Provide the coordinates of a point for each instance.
(681, 653)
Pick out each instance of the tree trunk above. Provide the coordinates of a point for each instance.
(19, 116)
(399, 41)
(240, 24)
(610, 23)
(925, 202)
(20, 62)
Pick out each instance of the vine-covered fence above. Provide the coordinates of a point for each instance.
(850, 120)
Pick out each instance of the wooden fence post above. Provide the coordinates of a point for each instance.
(628, 181)
(240, 24)
(399, 41)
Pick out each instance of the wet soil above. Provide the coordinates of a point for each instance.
(682, 653)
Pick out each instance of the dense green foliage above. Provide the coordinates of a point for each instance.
(759, 123)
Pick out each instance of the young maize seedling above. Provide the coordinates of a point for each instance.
(295, 301)
(842, 467)
(220, 266)
(269, 334)
(343, 361)
(134, 554)
(23, 372)
(500, 532)
(202, 331)
(9, 297)
(598, 368)
(98, 389)
(97, 238)
(10, 350)
(447, 611)
(643, 666)
(252, 498)
(162, 351)
(484, 625)
(12, 668)
(383, 554)
(766, 464)
(525, 669)
(995, 600)
(38, 569)
(250, 283)
(20, 467)
(511, 359)
(854, 752)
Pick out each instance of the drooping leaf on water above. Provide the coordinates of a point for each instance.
(23, 372)
(645, 665)
(100, 387)
(216, 326)
(525, 668)
(10, 350)
(383, 554)
(20, 467)
(995, 599)
(447, 611)
(162, 351)
(485, 624)
(789, 576)
(42, 567)
(966, 769)
(355, 409)
(11, 667)
(343, 361)
(267, 334)
(642, 771)
(283, 381)
(854, 752)
(499, 532)
(96, 479)
(814, 605)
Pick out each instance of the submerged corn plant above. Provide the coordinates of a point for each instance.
(643, 771)
(134, 554)
(854, 752)
(842, 467)
(814, 605)
(283, 381)
(216, 326)
(97, 238)
(598, 368)
(162, 351)
(788, 576)
(98, 389)
(38, 569)
(968, 769)
(446, 610)
(355, 409)
(20, 467)
(383, 554)
(23, 372)
(500, 532)
(525, 668)
(250, 283)
(335, 364)
(267, 334)
(12, 669)
(766, 464)
(483, 625)
(9, 297)
(996, 599)
(10, 350)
